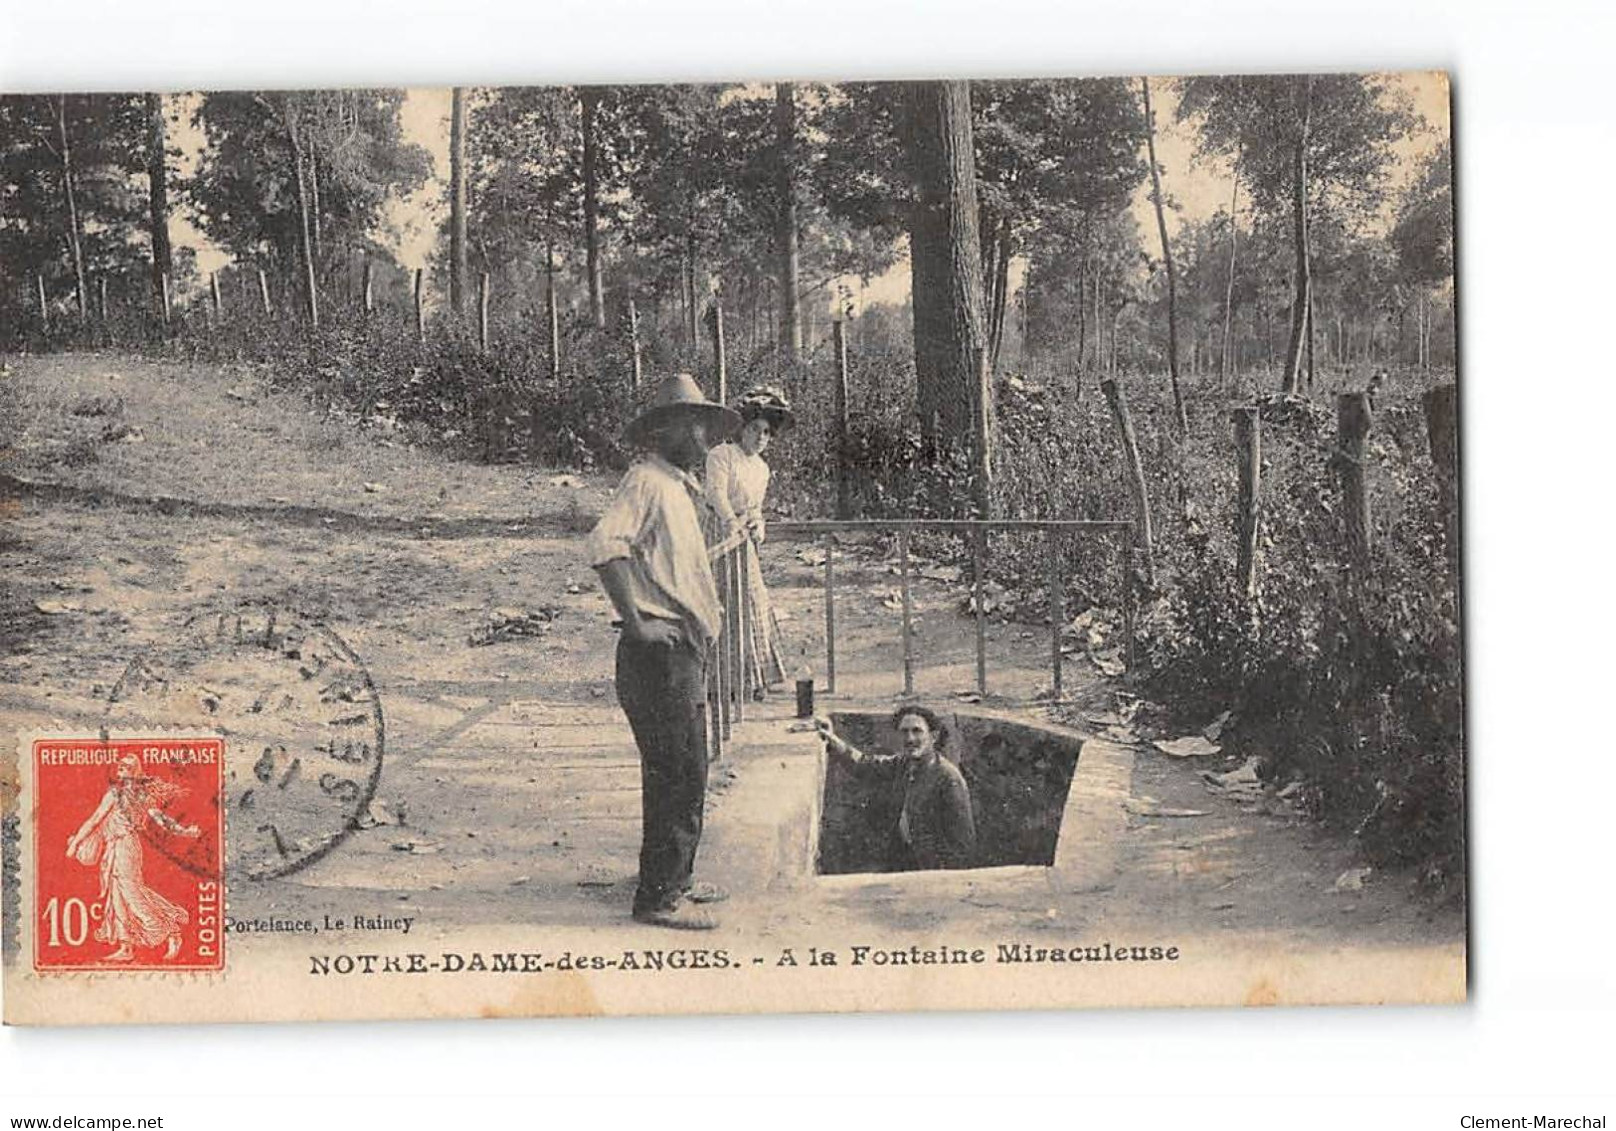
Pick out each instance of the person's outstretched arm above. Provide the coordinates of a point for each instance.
(839, 745)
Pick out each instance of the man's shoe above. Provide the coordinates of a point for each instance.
(682, 916)
(703, 892)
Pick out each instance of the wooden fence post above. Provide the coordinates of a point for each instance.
(420, 309)
(482, 312)
(263, 292)
(720, 366)
(634, 344)
(101, 297)
(1057, 611)
(1352, 413)
(982, 435)
(1136, 475)
(843, 503)
(369, 292)
(552, 315)
(164, 290)
(213, 289)
(1442, 428)
(1248, 463)
(44, 308)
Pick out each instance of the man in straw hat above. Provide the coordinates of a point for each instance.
(652, 560)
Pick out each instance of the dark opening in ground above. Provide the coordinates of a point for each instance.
(1018, 776)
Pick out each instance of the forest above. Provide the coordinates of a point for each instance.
(1264, 386)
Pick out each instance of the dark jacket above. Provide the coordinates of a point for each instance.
(935, 823)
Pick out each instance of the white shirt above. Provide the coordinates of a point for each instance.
(653, 523)
(737, 482)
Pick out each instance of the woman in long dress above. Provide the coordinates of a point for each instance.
(737, 482)
(132, 914)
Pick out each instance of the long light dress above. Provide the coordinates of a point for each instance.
(736, 483)
(132, 914)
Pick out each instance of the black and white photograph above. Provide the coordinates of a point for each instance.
(743, 546)
(726, 565)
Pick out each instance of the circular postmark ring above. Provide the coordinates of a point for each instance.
(301, 721)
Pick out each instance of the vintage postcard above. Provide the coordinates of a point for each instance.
(743, 547)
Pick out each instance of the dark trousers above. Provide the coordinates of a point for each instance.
(663, 693)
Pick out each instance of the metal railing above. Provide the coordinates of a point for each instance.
(729, 672)
(977, 530)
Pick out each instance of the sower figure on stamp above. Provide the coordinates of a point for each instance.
(652, 560)
(132, 914)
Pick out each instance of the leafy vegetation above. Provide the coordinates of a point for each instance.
(613, 223)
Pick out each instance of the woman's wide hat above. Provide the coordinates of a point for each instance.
(766, 402)
(677, 396)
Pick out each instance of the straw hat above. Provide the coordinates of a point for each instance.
(678, 396)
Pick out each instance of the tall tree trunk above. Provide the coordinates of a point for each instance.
(1226, 358)
(314, 211)
(457, 202)
(305, 237)
(552, 313)
(785, 140)
(692, 315)
(589, 102)
(1099, 322)
(1167, 257)
(1082, 312)
(157, 179)
(1311, 325)
(945, 260)
(1304, 275)
(999, 289)
(75, 242)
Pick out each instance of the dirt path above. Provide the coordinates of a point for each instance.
(139, 493)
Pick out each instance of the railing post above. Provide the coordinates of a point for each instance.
(715, 740)
(830, 615)
(734, 680)
(908, 613)
(723, 651)
(742, 683)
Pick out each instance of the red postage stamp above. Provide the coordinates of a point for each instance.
(129, 852)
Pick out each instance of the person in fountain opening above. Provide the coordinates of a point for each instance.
(132, 914)
(935, 826)
(737, 481)
(652, 561)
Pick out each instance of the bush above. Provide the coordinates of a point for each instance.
(1351, 685)
(446, 392)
